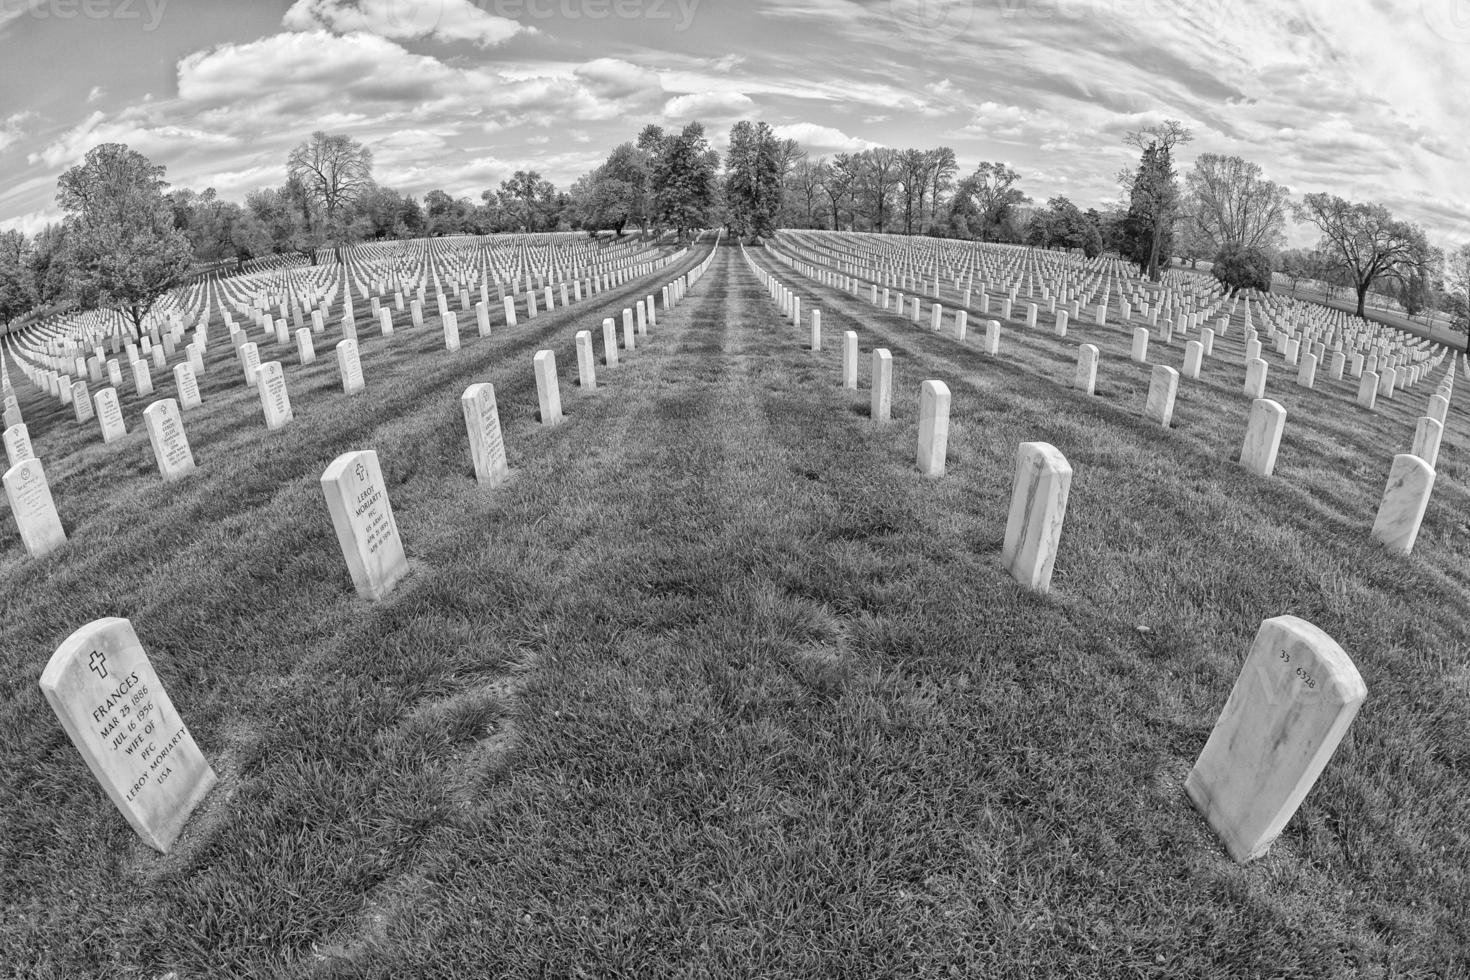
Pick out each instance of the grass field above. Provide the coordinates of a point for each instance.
(719, 686)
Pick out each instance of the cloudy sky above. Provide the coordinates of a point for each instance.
(1363, 98)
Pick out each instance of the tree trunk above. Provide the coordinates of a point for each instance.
(1362, 298)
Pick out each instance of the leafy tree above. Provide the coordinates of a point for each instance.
(682, 178)
(444, 215)
(1368, 241)
(986, 198)
(50, 274)
(1457, 289)
(382, 212)
(334, 172)
(123, 248)
(1153, 195)
(1297, 264)
(282, 220)
(754, 178)
(616, 193)
(1062, 225)
(1239, 267)
(17, 294)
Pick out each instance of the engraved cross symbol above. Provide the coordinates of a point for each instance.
(98, 663)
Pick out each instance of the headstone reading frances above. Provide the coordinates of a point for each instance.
(363, 518)
(1038, 509)
(118, 715)
(1291, 705)
(487, 445)
(34, 510)
(170, 445)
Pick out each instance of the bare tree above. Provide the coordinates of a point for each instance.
(942, 168)
(335, 171)
(913, 176)
(1370, 242)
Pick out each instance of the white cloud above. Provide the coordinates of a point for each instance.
(14, 128)
(30, 223)
(709, 105)
(442, 20)
(821, 139)
(97, 92)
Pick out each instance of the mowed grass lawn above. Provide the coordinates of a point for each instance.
(719, 686)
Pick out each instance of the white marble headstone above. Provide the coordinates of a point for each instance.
(363, 519)
(586, 361)
(1084, 379)
(109, 415)
(18, 444)
(1162, 389)
(487, 445)
(166, 433)
(349, 366)
(114, 708)
(33, 509)
(548, 391)
(882, 406)
(187, 385)
(1038, 509)
(1291, 705)
(1405, 500)
(1263, 437)
(274, 401)
(934, 399)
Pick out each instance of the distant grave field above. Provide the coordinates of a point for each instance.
(849, 606)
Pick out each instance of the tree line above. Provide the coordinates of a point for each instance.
(126, 238)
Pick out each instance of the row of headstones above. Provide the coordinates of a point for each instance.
(1405, 500)
(1293, 701)
(1026, 271)
(272, 385)
(143, 383)
(1376, 339)
(35, 511)
(109, 698)
(1184, 321)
